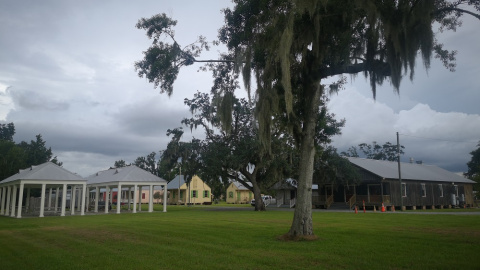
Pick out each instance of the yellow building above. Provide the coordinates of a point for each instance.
(238, 193)
(194, 192)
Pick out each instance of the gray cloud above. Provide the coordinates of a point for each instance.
(70, 68)
(33, 100)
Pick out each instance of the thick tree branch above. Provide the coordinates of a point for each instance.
(459, 10)
(378, 66)
(214, 61)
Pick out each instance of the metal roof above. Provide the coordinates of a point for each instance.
(240, 186)
(177, 182)
(130, 173)
(409, 171)
(45, 171)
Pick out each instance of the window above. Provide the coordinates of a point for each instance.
(455, 188)
(143, 195)
(206, 194)
(424, 190)
(230, 194)
(440, 190)
(194, 194)
(404, 190)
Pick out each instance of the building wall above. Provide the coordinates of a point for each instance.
(415, 195)
(234, 195)
(196, 193)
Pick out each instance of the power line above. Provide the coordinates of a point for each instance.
(436, 139)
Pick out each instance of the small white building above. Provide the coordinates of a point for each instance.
(46, 177)
(124, 184)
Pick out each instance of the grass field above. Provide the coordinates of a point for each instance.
(209, 238)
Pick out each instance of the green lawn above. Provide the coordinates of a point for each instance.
(204, 238)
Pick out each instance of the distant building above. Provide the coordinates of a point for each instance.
(422, 186)
(238, 193)
(194, 192)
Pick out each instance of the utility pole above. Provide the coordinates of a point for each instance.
(399, 172)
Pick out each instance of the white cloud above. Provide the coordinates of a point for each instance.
(443, 139)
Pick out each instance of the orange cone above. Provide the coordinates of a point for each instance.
(356, 209)
(383, 207)
(363, 206)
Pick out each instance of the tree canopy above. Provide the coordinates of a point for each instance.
(387, 151)
(291, 46)
(14, 157)
(474, 166)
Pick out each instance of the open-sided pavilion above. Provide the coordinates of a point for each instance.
(44, 176)
(127, 181)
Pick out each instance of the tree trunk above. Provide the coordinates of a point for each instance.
(302, 219)
(259, 205)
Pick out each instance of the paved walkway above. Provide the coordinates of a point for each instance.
(416, 212)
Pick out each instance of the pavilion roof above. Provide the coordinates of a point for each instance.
(130, 173)
(46, 171)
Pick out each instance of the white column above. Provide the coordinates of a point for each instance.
(42, 200)
(84, 189)
(4, 193)
(140, 198)
(64, 199)
(9, 194)
(56, 200)
(129, 197)
(27, 202)
(135, 199)
(107, 197)
(119, 197)
(73, 190)
(97, 194)
(14, 200)
(88, 198)
(150, 200)
(20, 201)
(165, 198)
(50, 199)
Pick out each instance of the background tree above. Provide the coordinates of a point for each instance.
(36, 151)
(237, 154)
(387, 151)
(7, 131)
(119, 164)
(180, 156)
(333, 168)
(14, 157)
(157, 196)
(290, 47)
(147, 163)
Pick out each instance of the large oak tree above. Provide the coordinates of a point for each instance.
(291, 47)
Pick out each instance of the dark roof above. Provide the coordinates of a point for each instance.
(409, 171)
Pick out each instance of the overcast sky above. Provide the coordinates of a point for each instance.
(66, 72)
